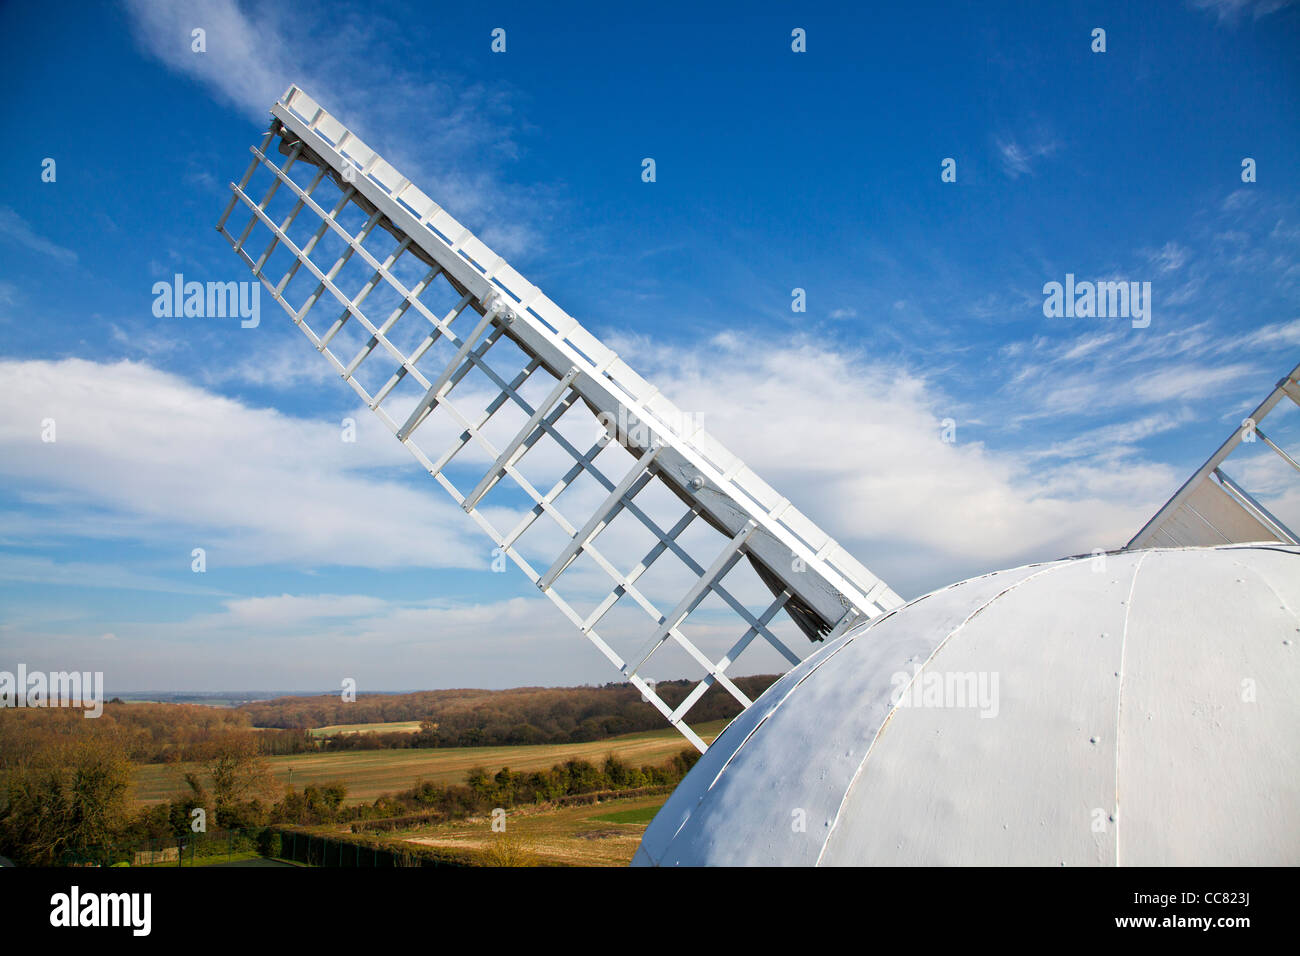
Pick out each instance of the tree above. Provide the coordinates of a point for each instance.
(68, 800)
(427, 735)
(333, 794)
(478, 781)
(98, 792)
(239, 774)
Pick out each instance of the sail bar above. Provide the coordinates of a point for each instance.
(1186, 518)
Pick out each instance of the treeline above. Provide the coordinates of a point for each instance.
(73, 792)
(144, 732)
(479, 718)
(483, 792)
(175, 733)
(70, 802)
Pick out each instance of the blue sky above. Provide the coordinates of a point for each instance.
(775, 170)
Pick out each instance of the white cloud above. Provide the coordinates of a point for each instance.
(295, 610)
(141, 454)
(853, 442)
(248, 64)
(856, 445)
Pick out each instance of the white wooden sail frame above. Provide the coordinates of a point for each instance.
(822, 588)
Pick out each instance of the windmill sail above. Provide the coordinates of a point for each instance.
(1212, 509)
(489, 384)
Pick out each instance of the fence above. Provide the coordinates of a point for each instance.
(290, 843)
(344, 849)
(193, 849)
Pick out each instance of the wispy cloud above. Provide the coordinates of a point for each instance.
(1098, 373)
(1286, 334)
(14, 229)
(1231, 11)
(1018, 159)
(8, 298)
(1086, 345)
(250, 61)
(285, 363)
(1168, 258)
(1112, 442)
(35, 569)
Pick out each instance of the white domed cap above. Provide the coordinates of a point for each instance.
(1136, 708)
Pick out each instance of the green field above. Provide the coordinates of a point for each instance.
(568, 836)
(370, 773)
(393, 726)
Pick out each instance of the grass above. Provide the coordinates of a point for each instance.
(567, 836)
(370, 773)
(642, 815)
(214, 859)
